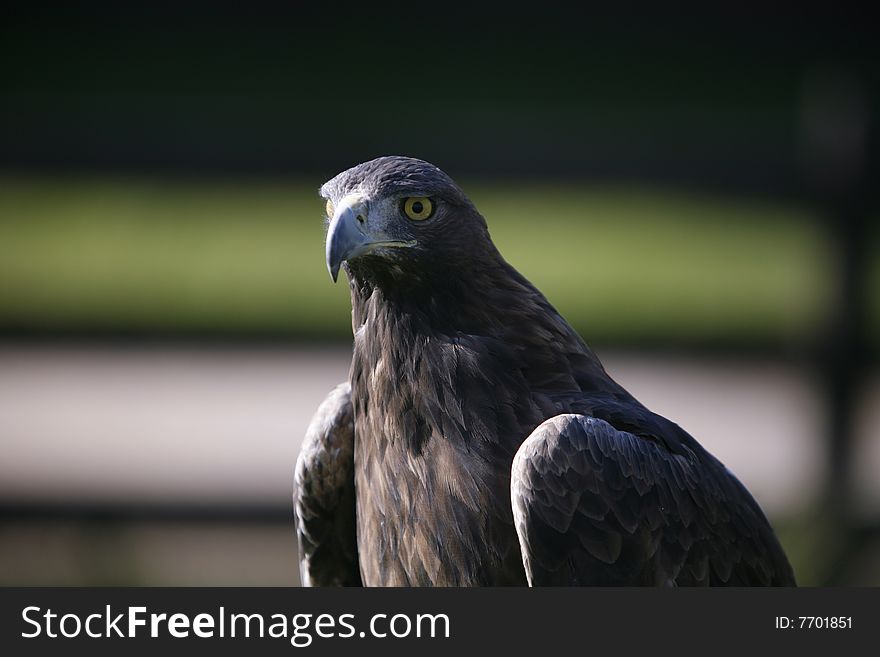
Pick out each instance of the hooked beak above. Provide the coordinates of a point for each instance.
(349, 235)
(346, 236)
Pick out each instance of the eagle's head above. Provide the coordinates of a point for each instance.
(397, 218)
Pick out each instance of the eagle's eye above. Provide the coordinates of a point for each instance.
(418, 208)
(329, 209)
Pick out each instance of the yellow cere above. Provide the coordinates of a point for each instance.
(329, 209)
(418, 208)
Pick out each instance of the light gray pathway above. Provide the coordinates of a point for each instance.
(219, 425)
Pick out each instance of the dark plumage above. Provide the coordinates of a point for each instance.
(481, 442)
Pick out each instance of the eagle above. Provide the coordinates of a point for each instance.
(479, 441)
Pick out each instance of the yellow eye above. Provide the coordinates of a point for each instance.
(418, 208)
(329, 209)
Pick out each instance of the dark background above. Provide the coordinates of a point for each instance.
(694, 96)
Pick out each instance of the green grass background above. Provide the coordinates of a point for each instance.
(245, 257)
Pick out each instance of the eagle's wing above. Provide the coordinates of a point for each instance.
(598, 506)
(323, 496)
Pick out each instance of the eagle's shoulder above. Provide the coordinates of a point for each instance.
(597, 505)
(323, 497)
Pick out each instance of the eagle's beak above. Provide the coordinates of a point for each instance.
(346, 236)
(350, 235)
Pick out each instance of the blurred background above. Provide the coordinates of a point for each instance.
(695, 192)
